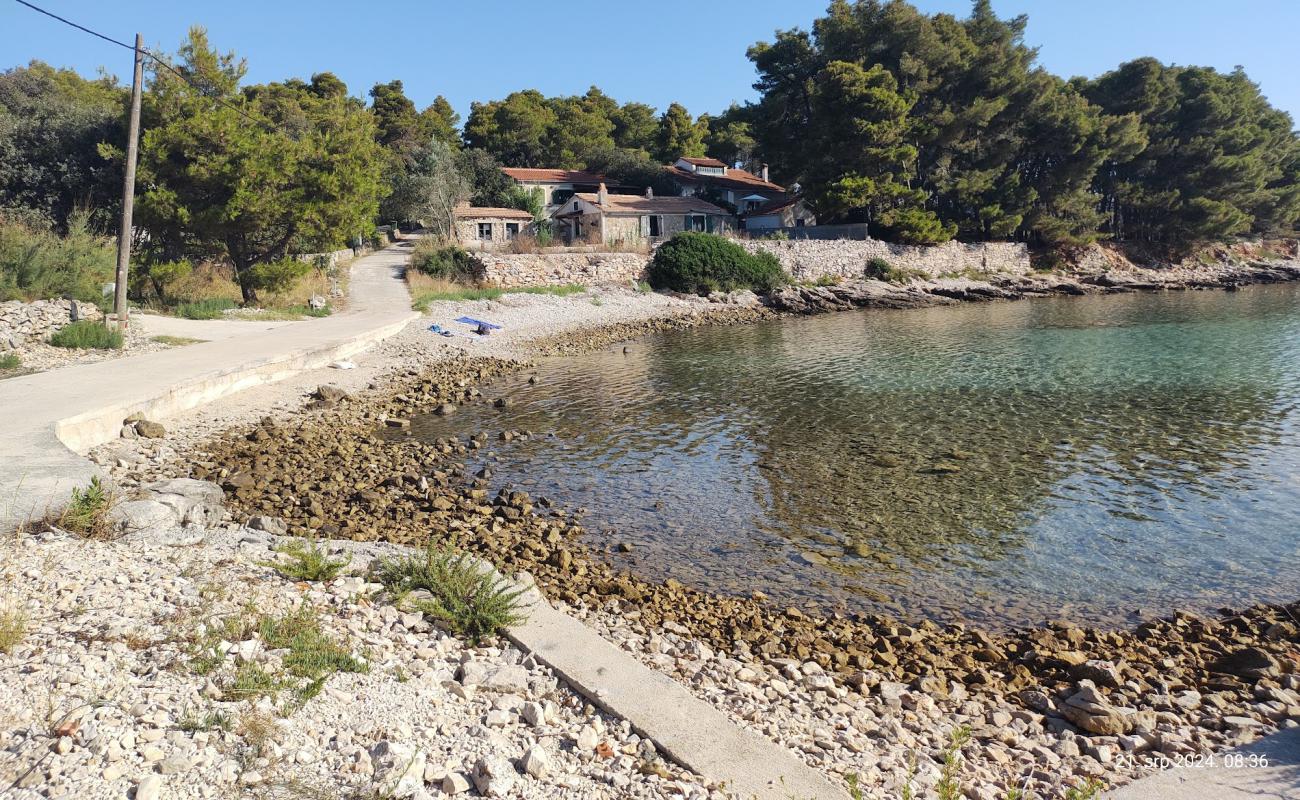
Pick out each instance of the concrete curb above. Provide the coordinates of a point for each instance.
(686, 729)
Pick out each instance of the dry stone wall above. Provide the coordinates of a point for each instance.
(23, 322)
(810, 259)
(557, 269)
(802, 259)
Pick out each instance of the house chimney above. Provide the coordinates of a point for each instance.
(764, 172)
(602, 195)
(649, 193)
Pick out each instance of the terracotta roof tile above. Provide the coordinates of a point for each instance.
(634, 204)
(528, 174)
(480, 212)
(737, 178)
(704, 162)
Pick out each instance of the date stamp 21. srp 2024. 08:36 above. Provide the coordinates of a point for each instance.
(1198, 760)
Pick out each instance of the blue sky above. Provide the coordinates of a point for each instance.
(654, 52)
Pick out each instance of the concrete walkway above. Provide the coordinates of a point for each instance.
(1269, 768)
(51, 417)
(207, 330)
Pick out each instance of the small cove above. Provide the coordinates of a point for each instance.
(998, 463)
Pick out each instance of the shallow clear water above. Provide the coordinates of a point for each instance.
(1002, 463)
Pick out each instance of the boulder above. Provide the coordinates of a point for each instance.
(195, 502)
(330, 394)
(136, 516)
(399, 769)
(149, 429)
(1251, 663)
(272, 525)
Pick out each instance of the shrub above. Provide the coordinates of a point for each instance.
(86, 335)
(469, 599)
(277, 276)
(36, 263)
(702, 262)
(212, 308)
(307, 561)
(9, 361)
(881, 270)
(446, 261)
(167, 274)
(87, 510)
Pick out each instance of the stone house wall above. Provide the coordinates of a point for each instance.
(810, 259)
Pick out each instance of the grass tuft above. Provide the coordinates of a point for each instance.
(10, 361)
(469, 599)
(87, 511)
(215, 720)
(86, 335)
(13, 629)
(176, 341)
(312, 655)
(307, 561)
(209, 308)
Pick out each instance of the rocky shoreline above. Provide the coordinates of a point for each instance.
(868, 696)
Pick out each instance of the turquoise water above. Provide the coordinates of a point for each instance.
(1078, 458)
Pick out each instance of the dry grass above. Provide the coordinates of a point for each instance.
(13, 629)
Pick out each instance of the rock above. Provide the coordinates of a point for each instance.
(149, 789)
(535, 762)
(455, 783)
(330, 394)
(399, 768)
(136, 516)
(513, 678)
(150, 430)
(444, 409)
(533, 713)
(587, 739)
(272, 525)
(128, 432)
(195, 502)
(502, 402)
(1251, 663)
(173, 765)
(316, 302)
(494, 776)
(1102, 673)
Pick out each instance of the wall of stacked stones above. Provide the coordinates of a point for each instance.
(810, 259)
(21, 322)
(803, 259)
(557, 269)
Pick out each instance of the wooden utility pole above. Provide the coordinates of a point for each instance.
(128, 189)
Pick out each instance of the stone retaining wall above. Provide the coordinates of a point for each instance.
(808, 259)
(21, 322)
(557, 269)
(804, 260)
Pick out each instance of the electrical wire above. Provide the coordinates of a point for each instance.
(158, 60)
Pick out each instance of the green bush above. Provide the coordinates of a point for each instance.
(211, 308)
(445, 261)
(277, 276)
(881, 270)
(700, 263)
(167, 273)
(37, 263)
(86, 335)
(9, 361)
(467, 598)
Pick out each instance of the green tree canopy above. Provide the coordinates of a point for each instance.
(270, 170)
(679, 135)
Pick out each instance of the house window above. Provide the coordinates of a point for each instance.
(512, 230)
(485, 231)
(695, 222)
(561, 196)
(656, 225)
(799, 223)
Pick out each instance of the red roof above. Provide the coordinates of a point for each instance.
(736, 178)
(704, 162)
(530, 175)
(484, 212)
(624, 205)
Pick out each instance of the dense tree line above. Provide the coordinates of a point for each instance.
(930, 127)
(927, 127)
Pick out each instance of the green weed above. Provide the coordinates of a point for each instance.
(307, 561)
(211, 308)
(10, 361)
(87, 510)
(86, 335)
(467, 598)
(13, 629)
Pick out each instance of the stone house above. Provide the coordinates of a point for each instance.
(788, 212)
(714, 180)
(558, 185)
(631, 220)
(480, 228)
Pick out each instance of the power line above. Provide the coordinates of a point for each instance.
(160, 61)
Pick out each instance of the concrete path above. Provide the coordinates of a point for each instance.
(208, 330)
(1236, 776)
(684, 728)
(50, 417)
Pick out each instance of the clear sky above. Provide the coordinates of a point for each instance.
(655, 52)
